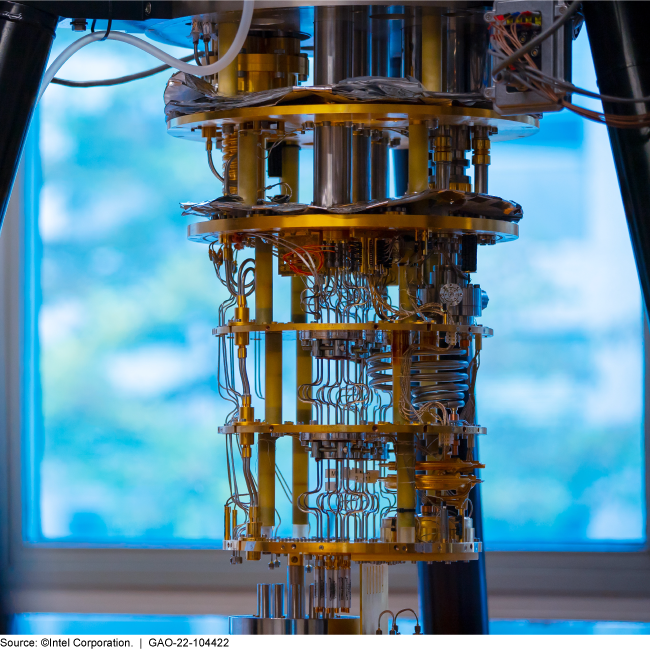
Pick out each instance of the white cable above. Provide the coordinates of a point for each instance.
(213, 68)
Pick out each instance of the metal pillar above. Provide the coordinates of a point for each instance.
(621, 51)
(332, 38)
(453, 597)
(26, 36)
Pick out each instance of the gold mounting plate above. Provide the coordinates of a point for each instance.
(375, 116)
(363, 551)
(209, 231)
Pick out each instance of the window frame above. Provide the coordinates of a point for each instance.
(52, 565)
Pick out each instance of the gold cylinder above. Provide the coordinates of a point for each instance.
(229, 153)
(228, 76)
(432, 49)
(291, 169)
(266, 482)
(272, 386)
(300, 456)
(249, 154)
(226, 523)
(418, 158)
(405, 447)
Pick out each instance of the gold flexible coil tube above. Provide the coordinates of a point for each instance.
(229, 151)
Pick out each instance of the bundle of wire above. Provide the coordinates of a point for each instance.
(521, 70)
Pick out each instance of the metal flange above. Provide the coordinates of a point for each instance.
(210, 231)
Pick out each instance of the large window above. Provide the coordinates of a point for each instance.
(126, 447)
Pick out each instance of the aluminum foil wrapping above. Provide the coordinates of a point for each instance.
(438, 202)
(186, 94)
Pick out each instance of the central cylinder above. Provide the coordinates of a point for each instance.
(272, 386)
(296, 590)
(332, 40)
(227, 78)
(332, 164)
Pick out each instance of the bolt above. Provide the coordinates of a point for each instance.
(79, 25)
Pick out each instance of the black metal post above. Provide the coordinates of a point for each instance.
(453, 597)
(26, 36)
(621, 51)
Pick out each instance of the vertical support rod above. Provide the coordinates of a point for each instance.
(272, 386)
(481, 158)
(360, 42)
(332, 163)
(412, 43)
(300, 456)
(26, 36)
(228, 76)
(404, 449)
(332, 38)
(418, 158)
(248, 155)
(432, 49)
(380, 41)
(456, 77)
(379, 165)
(295, 591)
(360, 162)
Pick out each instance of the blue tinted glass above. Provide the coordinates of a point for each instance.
(560, 385)
(128, 450)
(143, 624)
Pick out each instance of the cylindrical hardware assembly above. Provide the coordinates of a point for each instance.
(291, 170)
(226, 523)
(379, 165)
(319, 585)
(295, 591)
(264, 600)
(460, 143)
(481, 158)
(442, 157)
(227, 78)
(360, 42)
(331, 586)
(230, 159)
(432, 41)
(360, 165)
(277, 600)
(332, 39)
(332, 164)
(412, 43)
(418, 158)
(249, 153)
(456, 65)
(345, 587)
(272, 386)
(310, 604)
(380, 41)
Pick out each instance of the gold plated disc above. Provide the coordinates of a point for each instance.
(209, 231)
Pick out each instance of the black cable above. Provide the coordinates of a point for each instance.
(513, 58)
(110, 20)
(117, 80)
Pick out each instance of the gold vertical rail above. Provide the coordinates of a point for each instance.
(272, 386)
(418, 158)
(227, 78)
(405, 447)
(248, 155)
(300, 457)
(432, 48)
